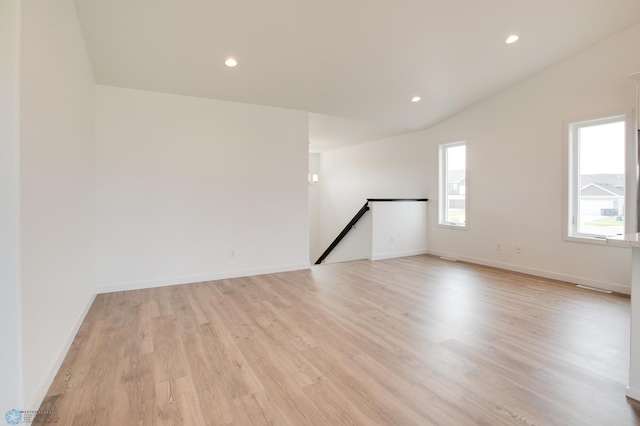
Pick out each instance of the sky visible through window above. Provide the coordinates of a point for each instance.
(602, 149)
(456, 158)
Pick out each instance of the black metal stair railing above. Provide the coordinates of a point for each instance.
(355, 219)
(344, 232)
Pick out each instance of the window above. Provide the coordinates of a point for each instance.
(453, 185)
(601, 194)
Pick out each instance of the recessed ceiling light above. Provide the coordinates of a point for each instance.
(230, 62)
(512, 39)
(415, 99)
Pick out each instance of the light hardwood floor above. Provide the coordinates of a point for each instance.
(410, 341)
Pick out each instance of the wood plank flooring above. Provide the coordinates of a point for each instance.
(410, 341)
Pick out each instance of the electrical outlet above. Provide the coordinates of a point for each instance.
(519, 248)
(232, 253)
(498, 245)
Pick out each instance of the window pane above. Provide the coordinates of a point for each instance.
(601, 179)
(456, 183)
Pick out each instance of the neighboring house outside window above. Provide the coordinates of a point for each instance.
(602, 195)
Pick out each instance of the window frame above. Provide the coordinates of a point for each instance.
(571, 197)
(443, 186)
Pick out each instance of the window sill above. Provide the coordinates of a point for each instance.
(452, 226)
(588, 240)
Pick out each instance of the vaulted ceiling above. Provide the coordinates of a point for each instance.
(353, 64)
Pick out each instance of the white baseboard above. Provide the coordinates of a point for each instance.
(46, 382)
(392, 255)
(633, 393)
(139, 285)
(538, 272)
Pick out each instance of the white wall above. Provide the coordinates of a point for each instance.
(314, 207)
(399, 229)
(57, 95)
(10, 313)
(515, 169)
(182, 181)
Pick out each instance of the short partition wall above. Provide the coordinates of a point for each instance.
(391, 228)
(398, 229)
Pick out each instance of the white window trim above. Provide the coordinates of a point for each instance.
(443, 187)
(631, 175)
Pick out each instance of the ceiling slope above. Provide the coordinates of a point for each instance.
(353, 64)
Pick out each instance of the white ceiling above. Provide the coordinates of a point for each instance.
(354, 64)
